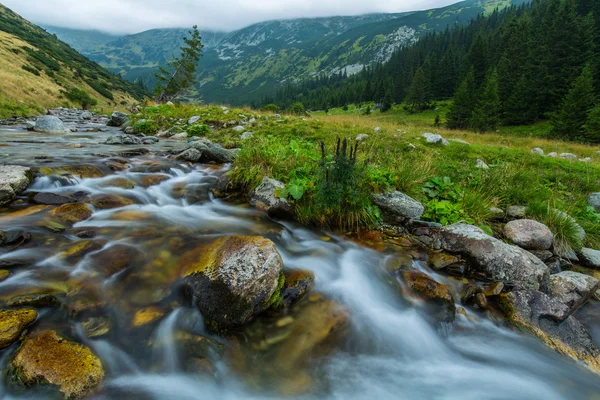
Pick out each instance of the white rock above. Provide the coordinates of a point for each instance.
(568, 156)
(553, 154)
(537, 150)
(247, 135)
(481, 164)
(361, 137)
(572, 288)
(180, 136)
(435, 139)
(377, 129)
(238, 128)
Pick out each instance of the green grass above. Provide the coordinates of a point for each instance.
(10, 109)
(396, 158)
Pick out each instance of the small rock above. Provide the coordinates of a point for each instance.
(238, 129)
(51, 359)
(13, 323)
(190, 155)
(297, 285)
(434, 293)
(377, 129)
(149, 140)
(399, 206)
(118, 119)
(568, 156)
(496, 214)
(247, 135)
(435, 139)
(72, 213)
(585, 160)
(52, 199)
(572, 288)
(106, 201)
(594, 201)
(362, 137)
(122, 138)
(553, 154)
(529, 234)
(516, 212)
(180, 136)
(50, 124)
(193, 120)
(537, 150)
(481, 164)
(589, 258)
(14, 179)
(264, 197)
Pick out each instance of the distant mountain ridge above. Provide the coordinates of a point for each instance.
(241, 66)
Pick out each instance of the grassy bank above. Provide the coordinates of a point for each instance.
(333, 189)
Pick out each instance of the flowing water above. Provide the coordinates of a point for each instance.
(389, 348)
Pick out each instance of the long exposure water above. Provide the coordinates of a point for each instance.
(390, 348)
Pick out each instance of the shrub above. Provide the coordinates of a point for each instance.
(145, 127)
(297, 109)
(80, 96)
(31, 69)
(198, 130)
(273, 108)
(97, 86)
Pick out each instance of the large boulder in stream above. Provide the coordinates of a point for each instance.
(50, 124)
(118, 119)
(14, 179)
(573, 288)
(264, 197)
(549, 319)
(493, 258)
(209, 152)
(46, 358)
(437, 296)
(13, 323)
(233, 279)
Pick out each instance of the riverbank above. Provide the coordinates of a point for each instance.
(117, 247)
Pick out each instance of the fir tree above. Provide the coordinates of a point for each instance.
(486, 114)
(387, 102)
(519, 108)
(570, 120)
(462, 107)
(592, 126)
(419, 94)
(179, 75)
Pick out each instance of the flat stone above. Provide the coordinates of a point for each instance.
(589, 258)
(399, 206)
(52, 199)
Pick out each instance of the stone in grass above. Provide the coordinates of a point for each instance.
(529, 234)
(516, 212)
(594, 201)
(264, 197)
(397, 205)
(589, 258)
(435, 139)
(573, 288)
(537, 150)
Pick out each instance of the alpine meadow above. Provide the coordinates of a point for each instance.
(321, 204)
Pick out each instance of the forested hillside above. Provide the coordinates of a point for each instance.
(516, 66)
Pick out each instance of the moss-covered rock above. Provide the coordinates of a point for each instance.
(118, 182)
(151, 180)
(435, 294)
(147, 316)
(72, 213)
(50, 359)
(108, 201)
(115, 259)
(232, 279)
(81, 171)
(12, 324)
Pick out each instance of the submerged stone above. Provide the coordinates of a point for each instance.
(72, 213)
(47, 358)
(109, 201)
(233, 279)
(434, 293)
(13, 323)
(297, 284)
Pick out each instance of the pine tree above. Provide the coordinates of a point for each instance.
(520, 108)
(569, 122)
(387, 102)
(462, 107)
(477, 58)
(180, 74)
(592, 126)
(419, 94)
(486, 114)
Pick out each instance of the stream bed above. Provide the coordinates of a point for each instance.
(112, 281)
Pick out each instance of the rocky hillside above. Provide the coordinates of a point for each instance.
(241, 66)
(35, 67)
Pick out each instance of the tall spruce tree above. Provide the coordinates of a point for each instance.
(461, 110)
(419, 94)
(486, 114)
(592, 126)
(179, 76)
(569, 122)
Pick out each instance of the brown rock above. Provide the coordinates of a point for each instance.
(432, 292)
(109, 201)
(12, 324)
(297, 284)
(72, 213)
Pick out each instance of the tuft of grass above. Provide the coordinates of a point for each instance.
(567, 232)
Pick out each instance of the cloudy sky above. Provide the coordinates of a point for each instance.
(131, 16)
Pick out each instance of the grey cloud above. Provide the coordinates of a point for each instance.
(130, 16)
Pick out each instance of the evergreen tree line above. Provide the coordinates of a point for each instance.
(516, 66)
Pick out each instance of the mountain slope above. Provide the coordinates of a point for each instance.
(81, 40)
(35, 67)
(244, 65)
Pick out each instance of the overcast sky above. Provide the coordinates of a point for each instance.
(131, 16)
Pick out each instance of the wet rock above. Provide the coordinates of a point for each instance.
(115, 259)
(95, 327)
(147, 316)
(572, 288)
(190, 155)
(442, 260)
(14, 179)
(38, 300)
(118, 119)
(81, 171)
(50, 124)
(13, 323)
(52, 199)
(589, 258)
(224, 187)
(435, 139)
(298, 283)
(434, 293)
(264, 197)
(543, 255)
(16, 238)
(398, 206)
(516, 212)
(4, 274)
(594, 201)
(119, 182)
(134, 152)
(529, 234)
(151, 180)
(149, 140)
(211, 152)
(492, 257)
(50, 359)
(548, 319)
(122, 138)
(233, 279)
(109, 201)
(72, 213)
(495, 289)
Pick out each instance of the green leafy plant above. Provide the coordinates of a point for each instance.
(198, 130)
(297, 109)
(145, 127)
(81, 97)
(272, 108)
